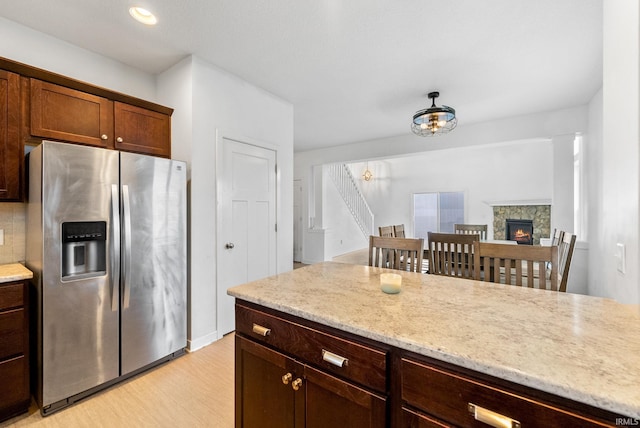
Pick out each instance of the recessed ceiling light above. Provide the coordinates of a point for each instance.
(141, 14)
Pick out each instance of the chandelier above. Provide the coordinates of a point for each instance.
(434, 120)
(367, 175)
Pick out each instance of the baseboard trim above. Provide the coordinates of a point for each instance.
(199, 343)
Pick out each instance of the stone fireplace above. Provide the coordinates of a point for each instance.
(540, 216)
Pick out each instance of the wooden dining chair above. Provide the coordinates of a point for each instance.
(556, 238)
(396, 253)
(522, 265)
(471, 229)
(565, 253)
(451, 254)
(386, 231)
(398, 231)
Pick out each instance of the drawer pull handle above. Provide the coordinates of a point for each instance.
(492, 418)
(262, 331)
(296, 384)
(334, 359)
(287, 378)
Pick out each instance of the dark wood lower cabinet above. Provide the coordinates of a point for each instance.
(262, 398)
(273, 390)
(15, 396)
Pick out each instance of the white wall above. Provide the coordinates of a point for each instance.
(562, 196)
(500, 172)
(22, 44)
(620, 152)
(595, 196)
(214, 101)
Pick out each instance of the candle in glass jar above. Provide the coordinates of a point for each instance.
(390, 283)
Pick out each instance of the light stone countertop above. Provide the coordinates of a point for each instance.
(579, 347)
(14, 272)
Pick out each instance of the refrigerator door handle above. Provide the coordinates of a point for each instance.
(115, 247)
(126, 237)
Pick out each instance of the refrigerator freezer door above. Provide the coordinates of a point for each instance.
(79, 320)
(154, 259)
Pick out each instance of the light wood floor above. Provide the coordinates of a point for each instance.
(195, 390)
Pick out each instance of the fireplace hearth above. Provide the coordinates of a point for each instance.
(520, 230)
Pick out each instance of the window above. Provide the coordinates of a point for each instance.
(437, 212)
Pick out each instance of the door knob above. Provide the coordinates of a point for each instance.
(229, 245)
(287, 378)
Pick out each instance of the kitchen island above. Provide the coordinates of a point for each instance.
(577, 354)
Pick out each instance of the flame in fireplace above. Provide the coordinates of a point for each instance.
(521, 235)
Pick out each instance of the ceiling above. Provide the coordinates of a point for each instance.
(356, 70)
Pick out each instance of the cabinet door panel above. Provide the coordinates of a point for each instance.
(332, 402)
(262, 399)
(10, 146)
(142, 131)
(14, 392)
(68, 115)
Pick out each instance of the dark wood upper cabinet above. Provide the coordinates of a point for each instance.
(10, 146)
(66, 114)
(142, 131)
(36, 104)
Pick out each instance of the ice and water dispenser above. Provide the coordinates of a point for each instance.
(84, 249)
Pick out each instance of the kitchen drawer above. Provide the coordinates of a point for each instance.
(14, 390)
(364, 365)
(11, 296)
(449, 396)
(11, 333)
(411, 419)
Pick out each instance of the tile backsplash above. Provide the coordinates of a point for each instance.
(13, 218)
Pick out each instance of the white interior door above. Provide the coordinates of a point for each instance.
(246, 221)
(297, 220)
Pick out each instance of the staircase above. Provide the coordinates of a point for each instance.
(350, 192)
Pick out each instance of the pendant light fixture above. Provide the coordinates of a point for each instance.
(434, 120)
(367, 175)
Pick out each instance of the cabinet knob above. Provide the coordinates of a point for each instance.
(296, 384)
(287, 378)
(104, 137)
(119, 140)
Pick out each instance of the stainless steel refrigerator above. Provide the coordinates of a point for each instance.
(106, 240)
